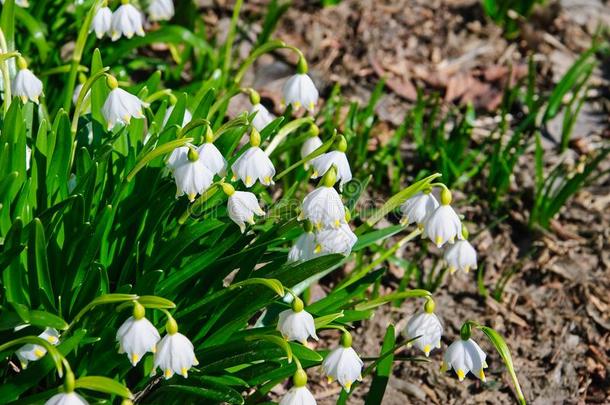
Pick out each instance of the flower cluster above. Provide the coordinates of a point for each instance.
(441, 224)
(127, 20)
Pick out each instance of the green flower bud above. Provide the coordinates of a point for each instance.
(138, 310)
(300, 378)
(82, 78)
(302, 66)
(429, 306)
(297, 304)
(313, 130)
(330, 177)
(21, 63)
(341, 144)
(465, 232)
(112, 82)
(172, 99)
(255, 137)
(446, 197)
(346, 339)
(171, 326)
(193, 155)
(228, 189)
(255, 98)
(126, 401)
(69, 381)
(209, 134)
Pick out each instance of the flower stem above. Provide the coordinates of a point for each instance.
(230, 39)
(284, 132)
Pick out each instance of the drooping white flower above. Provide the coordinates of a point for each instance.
(20, 3)
(296, 323)
(137, 336)
(190, 173)
(443, 226)
(322, 163)
(126, 20)
(465, 356)
(460, 256)
(343, 364)
(32, 352)
(303, 248)
(212, 158)
(121, 106)
(160, 10)
(335, 240)
(26, 85)
(323, 207)
(252, 165)
(310, 145)
(175, 353)
(262, 118)
(101, 22)
(242, 206)
(299, 90)
(418, 208)
(66, 398)
(426, 328)
(185, 119)
(298, 396)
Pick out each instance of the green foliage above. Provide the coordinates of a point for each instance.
(507, 12)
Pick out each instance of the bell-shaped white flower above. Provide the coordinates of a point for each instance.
(262, 118)
(161, 10)
(212, 158)
(191, 175)
(188, 117)
(242, 206)
(464, 356)
(343, 364)
(418, 208)
(299, 90)
(137, 336)
(335, 240)
(252, 165)
(120, 106)
(299, 394)
(101, 22)
(460, 256)
(175, 352)
(303, 248)
(322, 163)
(20, 3)
(66, 398)
(310, 145)
(32, 352)
(443, 225)
(296, 324)
(126, 20)
(426, 329)
(26, 85)
(323, 207)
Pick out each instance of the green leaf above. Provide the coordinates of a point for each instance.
(215, 392)
(384, 369)
(38, 266)
(151, 301)
(325, 320)
(391, 297)
(158, 151)
(103, 384)
(45, 319)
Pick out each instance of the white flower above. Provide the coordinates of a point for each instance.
(27, 86)
(242, 206)
(20, 3)
(303, 248)
(443, 226)
(299, 90)
(298, 396)
(191, 175)
(66, 398)
(175, 353)
(344, 365)
(464, 356)
(185, 119)
(159, 10)
(427, 328)
(322, 163)
(120, 107)
(126, 20)
(335, 240)
(461, 256)
(252, 165)
(310, 145)
(323, 207)
(32, 352)
(418, 208)
(263, 117)
(136, 337)
(212, 158)
(297, 325)
(101, 22)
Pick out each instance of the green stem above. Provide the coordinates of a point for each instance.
(101, 300)
(58, 358)
(81, 97)
(284, 132)
(230, 39)
(258, 52)
(157, 95)
(79, 48)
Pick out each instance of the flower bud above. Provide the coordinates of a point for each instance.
(346, 339)
(227, 189)
(429, 306)
(446, 197)
(330, 177)
(171, 326)
(69, 381)
(341, 144)
(297, 305)
(466, 331)
(138, 311)
(300, 378)
(21, 63)
(255, 98)
(255, 138)
(193, 155)
(112, 82)
(209, 134)
(302, 66)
